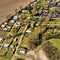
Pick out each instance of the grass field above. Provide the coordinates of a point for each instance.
(56, 43)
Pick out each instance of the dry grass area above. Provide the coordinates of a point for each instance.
(8, 7)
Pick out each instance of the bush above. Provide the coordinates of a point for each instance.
(52, 52)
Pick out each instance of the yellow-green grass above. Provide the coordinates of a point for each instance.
(48, 31)
(8, 56)
(39, 22)
(15, 58)
(43, 2)
(21, 29)
(44, 23)
(26, 40)
(15, 43)
(20, 57)
(8, 41)
(56, 43)
(9, 23)
(0, 29)
(13, 31)
(3, 52)
(32, 22)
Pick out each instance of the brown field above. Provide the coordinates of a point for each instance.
(8, 7)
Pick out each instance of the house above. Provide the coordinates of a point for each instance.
(5, 29)
(24, 11)
(15, 17)
(21, 52)
(35, 17)
(1, 40)
(56, 14)
(6, 45)
(28, 31)
(40, 18)
(48, 2)
(11, 46)
(39, 11)
(17, 24)
(57, 0)
(31, 5)
(3, 25)
(54, 0)
(9, 27)
(45, 12)
(12, 21)
(32, 25)
(28, 18)
(15, 39)
(47, 6)
(35, 2)
(37, 25)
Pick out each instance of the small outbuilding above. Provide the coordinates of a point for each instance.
(28, 31)
(15, 17)
(6, 45)
(1, 40)
(17, 24)
(3, 25)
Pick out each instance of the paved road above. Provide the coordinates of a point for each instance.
(19, 42)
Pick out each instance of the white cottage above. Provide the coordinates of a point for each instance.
(12, 21)
(9, 27)
(17, 24)
(15, 17)
(1, 40)
(6, 45)
(5, 29)
(28, 31)
(3, 25)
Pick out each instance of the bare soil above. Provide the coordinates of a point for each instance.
(8, 7)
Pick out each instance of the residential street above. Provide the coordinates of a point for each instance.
(19, 42)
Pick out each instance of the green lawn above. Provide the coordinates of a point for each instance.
(56, 43)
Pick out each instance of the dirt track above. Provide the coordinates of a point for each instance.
(40, 55)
